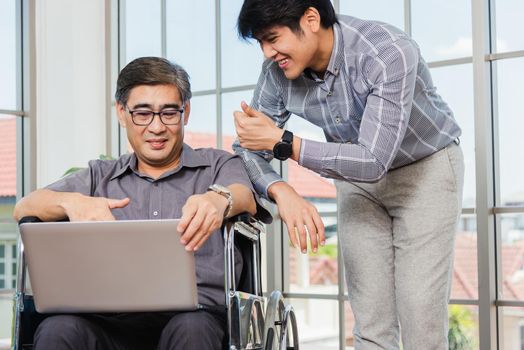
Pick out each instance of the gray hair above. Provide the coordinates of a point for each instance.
(151, 71)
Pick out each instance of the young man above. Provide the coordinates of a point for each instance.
(163, 179)
(392, 147)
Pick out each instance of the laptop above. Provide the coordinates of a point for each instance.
(109, 266)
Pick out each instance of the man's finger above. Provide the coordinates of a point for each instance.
(193, 227)
(303, 237)
(320, 229)
(117, 203)
(248, 110)
(312, 230)
(293, 234)
(188, 211)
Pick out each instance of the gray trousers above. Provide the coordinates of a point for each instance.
(140, 331)
(397, 238)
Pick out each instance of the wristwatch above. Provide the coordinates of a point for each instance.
(224, 192)
(284, 148)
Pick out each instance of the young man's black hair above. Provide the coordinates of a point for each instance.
(256, 16)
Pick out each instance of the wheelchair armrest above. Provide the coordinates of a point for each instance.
(27, 219)
(247, 226)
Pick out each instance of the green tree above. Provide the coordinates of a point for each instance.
(461, 328)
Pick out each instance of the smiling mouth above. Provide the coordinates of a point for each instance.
(157, 144)
(283, 62)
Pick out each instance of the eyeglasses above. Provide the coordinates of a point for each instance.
(144, 117)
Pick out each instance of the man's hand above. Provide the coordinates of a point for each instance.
(300, 217)
(84, 208)
(255, 130)
(201, 215)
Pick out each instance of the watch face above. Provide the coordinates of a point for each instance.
(282, 150)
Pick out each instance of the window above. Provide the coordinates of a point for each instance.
(202, 37)
(449, 41)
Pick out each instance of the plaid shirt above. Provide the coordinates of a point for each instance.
(376, 104)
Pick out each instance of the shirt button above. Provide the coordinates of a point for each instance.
(155, 213)
(330, 93)
(337, 119)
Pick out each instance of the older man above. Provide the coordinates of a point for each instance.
(163, 179)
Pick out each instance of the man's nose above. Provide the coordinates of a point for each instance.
(156, 125)
(268, 50)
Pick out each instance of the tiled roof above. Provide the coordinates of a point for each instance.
(7, 157)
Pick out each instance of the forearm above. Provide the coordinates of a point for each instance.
(45, 204)
(243, 200)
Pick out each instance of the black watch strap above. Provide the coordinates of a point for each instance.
(287, 137)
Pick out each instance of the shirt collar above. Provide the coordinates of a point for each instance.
(189, 158)
(336, 60)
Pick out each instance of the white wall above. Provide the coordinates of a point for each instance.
(70, 85)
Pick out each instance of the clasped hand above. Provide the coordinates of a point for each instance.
(255, 130)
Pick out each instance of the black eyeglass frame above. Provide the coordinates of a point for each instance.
(160, 115)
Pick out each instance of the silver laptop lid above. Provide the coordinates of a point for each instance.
(109, 266)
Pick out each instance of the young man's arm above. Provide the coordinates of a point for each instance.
(50, 205)
(204, 213)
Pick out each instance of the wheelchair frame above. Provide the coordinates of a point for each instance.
(250, 325)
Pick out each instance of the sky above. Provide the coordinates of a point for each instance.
(190, 42)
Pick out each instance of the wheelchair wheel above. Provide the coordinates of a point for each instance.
(285, 335)
(276, 325)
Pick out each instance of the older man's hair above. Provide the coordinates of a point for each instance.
(151, 71)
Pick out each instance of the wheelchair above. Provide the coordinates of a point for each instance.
(254, 321)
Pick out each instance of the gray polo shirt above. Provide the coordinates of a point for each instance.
(163, 198)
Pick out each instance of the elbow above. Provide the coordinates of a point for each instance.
(18, 211)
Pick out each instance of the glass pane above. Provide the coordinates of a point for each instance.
(2, 283)
(2, 268)
(8, 230)
(142, 29)
(512, 237)
(389, 11)
(190, 34)
(511, 122)
(201, 129)
(317, 320)
(455, 85)
(512, 328)
(230, 103)
(509, 14)
(13, 250)
(8, 63)
(449, 41)
(2, 251)
(465, 270)
(463, 327)
(241, 61)
(316, 273)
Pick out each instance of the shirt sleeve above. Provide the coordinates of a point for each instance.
(79, 181)
(267, 99)
(390, 76)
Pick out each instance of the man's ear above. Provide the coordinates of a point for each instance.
(121, 114)
(187, 110)
(311, 18)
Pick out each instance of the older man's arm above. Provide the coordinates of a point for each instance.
(50, 205)
(204, 213)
